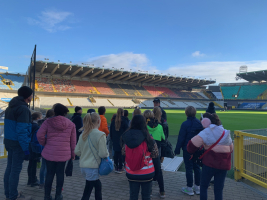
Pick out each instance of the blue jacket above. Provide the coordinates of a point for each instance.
(189, 128)
(17, 128)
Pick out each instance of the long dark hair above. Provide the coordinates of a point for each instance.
(139, 123)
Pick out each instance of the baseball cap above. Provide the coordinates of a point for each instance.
(156, 100)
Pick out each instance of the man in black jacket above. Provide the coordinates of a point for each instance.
(17, 130)
(163, 116)
(78, 121)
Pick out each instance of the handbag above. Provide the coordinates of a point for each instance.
(69, 168)
(106, 165)
(200, 153)
(166, 149)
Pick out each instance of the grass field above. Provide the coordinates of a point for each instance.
(231, 120)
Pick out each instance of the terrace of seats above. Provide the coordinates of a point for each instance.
(129, 90)
(123, 102)
(103, 88)
(16, 80)
(153, 91)
(50, 101)
(63, 85)
(83, 87)
(167, 92)
(251, 91)
(44, 84)
(80, 102)
(229, 91)
(116, 88)
(143, 91)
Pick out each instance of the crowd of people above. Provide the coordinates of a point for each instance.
(135, 145)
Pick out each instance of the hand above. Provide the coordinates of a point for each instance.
(176, 152)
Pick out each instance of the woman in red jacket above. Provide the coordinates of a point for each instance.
(58, 136)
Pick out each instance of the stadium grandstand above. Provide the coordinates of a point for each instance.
(83, 85)
(246, 95)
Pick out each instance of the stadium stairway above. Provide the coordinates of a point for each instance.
(216, 104)
(110, 102)
(139, 94)
(95, 88)
(53, 86)
(263, 95)
(3, 83)
(70, 102)
(165, 104)
(123, 90)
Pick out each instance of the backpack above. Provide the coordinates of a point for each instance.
(34, 144)
(136, 158)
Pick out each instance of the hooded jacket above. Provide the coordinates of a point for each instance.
(133, 138)
(58, 136)
(188, 128)
(78, 121)
(103, 125)
(219, 157)
(17, 128)
(156, 130)
(116, 135)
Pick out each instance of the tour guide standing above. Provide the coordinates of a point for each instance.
(163, 116)
(17, 130)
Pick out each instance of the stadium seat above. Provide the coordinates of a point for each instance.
(44, 84)
(16, 80)
(103, 88)
(116, 88)
(63, 85)
(142, 91)
(123, 103)
(50, 101)
(83, 87)
(229, 91)
(83, 102)
(251, 91)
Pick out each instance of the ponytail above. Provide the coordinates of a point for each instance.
(118, 119)
(89, 122)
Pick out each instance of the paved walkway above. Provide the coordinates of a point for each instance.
(115, 187)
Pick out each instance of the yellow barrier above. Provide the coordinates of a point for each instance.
(3, 152)
(250, 157)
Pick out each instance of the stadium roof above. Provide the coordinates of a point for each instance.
(85, 72)
(259, 76)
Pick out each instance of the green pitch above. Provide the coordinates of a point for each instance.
(231, 120)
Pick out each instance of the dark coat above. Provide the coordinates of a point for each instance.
(33, 155)
(188, 130)
(116, 135)
(18, 125)
(163, 116)
(78, 121)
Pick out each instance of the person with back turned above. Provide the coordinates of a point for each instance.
(17, 131)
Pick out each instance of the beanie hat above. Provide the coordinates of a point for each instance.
(90, 110)
(25, 92)
(211, 104)
(211, 108)
(77, 108)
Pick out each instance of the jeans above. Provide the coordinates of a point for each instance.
(89, 187)
(189, 167)
(158, 173)
(219, 178)
(135, 187)
(43, 172)
(14, 165)
(32, 167)
(54, 168)
(118, 159)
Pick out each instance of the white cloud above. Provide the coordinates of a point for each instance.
(223, 72)
(197, 54)
(52, 20)
(126, 60)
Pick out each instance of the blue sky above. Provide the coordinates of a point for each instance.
(207, 38)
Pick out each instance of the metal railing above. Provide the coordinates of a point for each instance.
(250, 157)
(3, 152)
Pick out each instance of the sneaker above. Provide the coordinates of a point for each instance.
(48, 198)
(118, 171)
(162, 195)
(188, 190)
(35, 184)
(196, 189)
(59, 197)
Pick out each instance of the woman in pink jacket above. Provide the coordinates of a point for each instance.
(217, 161)
(58, 136)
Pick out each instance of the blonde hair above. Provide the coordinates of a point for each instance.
(137, 112)
(157, 113)
(148, 114)
(190, 111)
(118, 119)
(89, 122)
